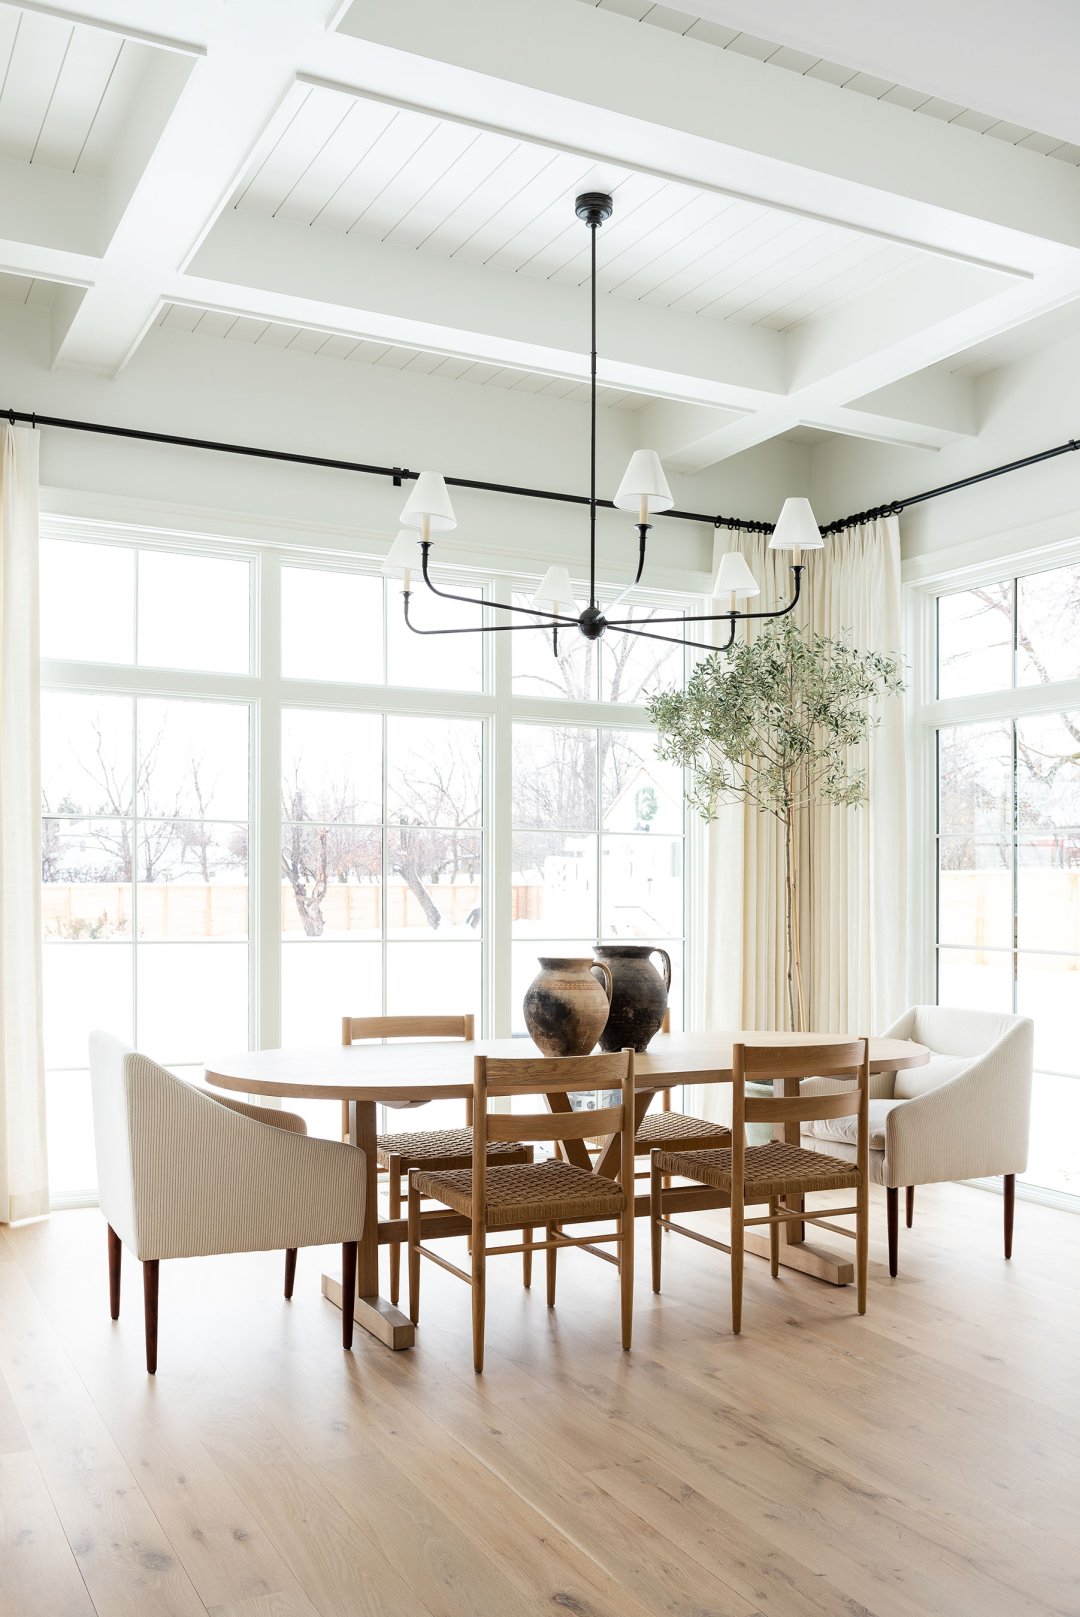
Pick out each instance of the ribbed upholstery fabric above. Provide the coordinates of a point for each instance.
(441, 1148)
(769, 1170)
(182, 1175)
(974, 1123)
(290, 1121)
(530, 1193)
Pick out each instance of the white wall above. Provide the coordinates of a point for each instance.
(1021, 408)
(216, 388)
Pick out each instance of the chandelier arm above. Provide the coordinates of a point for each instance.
(482, 628)
(470, 600)
(676, 640)
(718, 617)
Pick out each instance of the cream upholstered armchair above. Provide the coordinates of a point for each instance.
(964, 1115)
(184, 1174)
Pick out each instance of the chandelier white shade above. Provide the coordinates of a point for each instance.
(644, 488)
(734, 578)
(555, 590)
(428, 506)
(796, 527)
(402, 554)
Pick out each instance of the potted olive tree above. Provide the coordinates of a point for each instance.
(776, 721)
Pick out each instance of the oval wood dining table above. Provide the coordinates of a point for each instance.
(410, 1073)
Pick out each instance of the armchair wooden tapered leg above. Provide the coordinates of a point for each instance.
(115, 1253)
(909, 1206)
(1010, 1210)
(774, 1238)
(348, 1290)
(150, 1312)
(290, 1270)
(527, 1258)
(892, 1213)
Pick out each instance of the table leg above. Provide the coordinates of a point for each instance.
(376, 1314)
(795, 1251)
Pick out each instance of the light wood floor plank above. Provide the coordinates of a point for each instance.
(38, 1573)
(918, 1462)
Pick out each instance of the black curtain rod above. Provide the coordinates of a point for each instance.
(401, 474)
(894, 507)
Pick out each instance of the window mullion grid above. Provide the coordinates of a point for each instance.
(264, 837)
(498, 850)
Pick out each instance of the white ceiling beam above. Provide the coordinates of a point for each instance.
(661, 103)
(350, 284)
(147, 22)
(936, 401)
(851, 376)
(229, 97)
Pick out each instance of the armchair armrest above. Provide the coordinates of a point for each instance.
(975, 1126)
(290, 1121)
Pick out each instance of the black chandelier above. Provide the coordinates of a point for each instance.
(644, 488)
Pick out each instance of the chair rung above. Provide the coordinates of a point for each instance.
(837, 1229)
(695, 1235)
(451, 1268)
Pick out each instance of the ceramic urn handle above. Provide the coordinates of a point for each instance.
(667, 967)
(609, 981)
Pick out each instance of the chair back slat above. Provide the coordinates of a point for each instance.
(802, 1108)
(539, 1125)
(406, 1027)
(763, 1061)
(552, 1075)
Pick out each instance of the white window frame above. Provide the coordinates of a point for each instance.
(268, 692)
(928, 713)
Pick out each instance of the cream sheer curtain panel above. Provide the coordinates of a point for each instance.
(852, 861)
(24, 1176)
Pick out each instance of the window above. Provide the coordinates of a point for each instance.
(267, 805)
(145, 803)
(1006, 737)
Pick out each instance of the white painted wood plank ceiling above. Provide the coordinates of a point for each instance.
(406, 179)
(65, 91)
(783, 259)
(691, 26)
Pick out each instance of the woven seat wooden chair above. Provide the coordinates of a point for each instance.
(781, 1173)
(671, 1131)
(397, 1154)
(548, 1194)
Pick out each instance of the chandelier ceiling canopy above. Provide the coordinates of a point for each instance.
(643, 490)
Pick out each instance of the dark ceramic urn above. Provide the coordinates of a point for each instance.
(639, 995)
(566, 1007)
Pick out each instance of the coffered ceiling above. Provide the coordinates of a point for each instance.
(392, 182)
